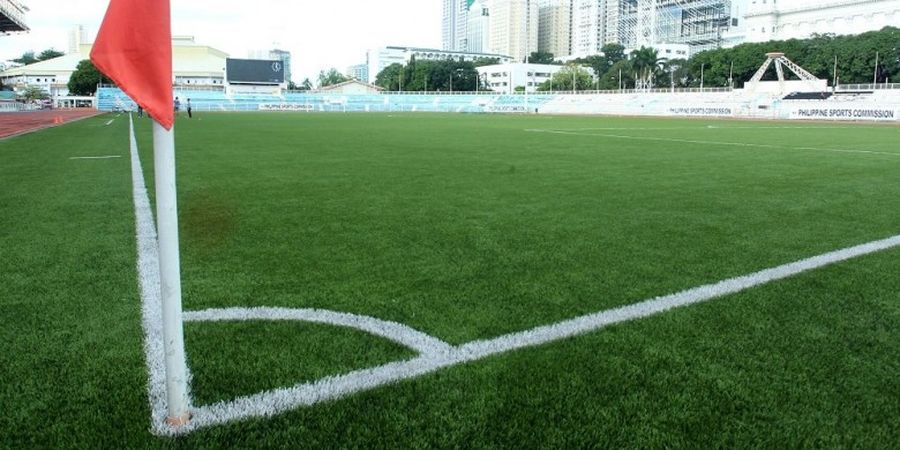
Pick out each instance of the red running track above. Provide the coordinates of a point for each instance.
(14, 123)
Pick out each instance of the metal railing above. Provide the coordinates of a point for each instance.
(667, 90)
(566, 92)
(867, 87)
(191, 87)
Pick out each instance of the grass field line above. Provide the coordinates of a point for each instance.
(277, 401)
(704, 142)
(96, 157)
(434, 353)
(394, 331)
(713, 127)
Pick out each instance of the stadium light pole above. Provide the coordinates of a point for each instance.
(527, 47)
(875, 75)
(834, 81)
(459, 71)
(574, 77)
(731, 76)
(672, 77)
(702, 68)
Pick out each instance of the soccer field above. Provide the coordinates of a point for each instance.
(467, 230)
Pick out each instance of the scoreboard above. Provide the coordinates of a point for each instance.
(254, 71)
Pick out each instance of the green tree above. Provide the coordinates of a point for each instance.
(85, 79)
(26, 58)
(541, 58)
(34, 93)
(391, 77)
(674, 73)
(646, 64)
(567, 78)
(599, 63)
(306, 85)
(618, 75)
(479, 62)
(50, 53)
(454, 75)
(331, 77)
(430, 76)
(613, 52)
(855, 58)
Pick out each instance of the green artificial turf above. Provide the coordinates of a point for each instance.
(464, 227)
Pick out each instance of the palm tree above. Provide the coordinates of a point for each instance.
(646, 63)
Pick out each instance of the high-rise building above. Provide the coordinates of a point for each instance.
(453, 26)
(478, 26)
(462, 22)
(358, 72)
(514, 27)
(698, 23)
(77, 36)
(554, 27)
(285, 57)
(588, 27)
(582, 27)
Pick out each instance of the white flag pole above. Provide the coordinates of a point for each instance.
(170, 274)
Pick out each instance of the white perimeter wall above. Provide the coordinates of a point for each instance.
(881, 106)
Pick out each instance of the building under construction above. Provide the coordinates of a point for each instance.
(697, 23)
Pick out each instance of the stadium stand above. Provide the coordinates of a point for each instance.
(850, 105)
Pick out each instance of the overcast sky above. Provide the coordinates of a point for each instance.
(319, 34)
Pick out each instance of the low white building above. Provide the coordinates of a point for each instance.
(51, 75)
(767, 20)
(507, 77)
(380, 58)
(672, 51)
(192, 64)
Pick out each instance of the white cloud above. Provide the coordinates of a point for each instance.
(319, 34)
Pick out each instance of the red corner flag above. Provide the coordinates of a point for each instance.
(134, 49)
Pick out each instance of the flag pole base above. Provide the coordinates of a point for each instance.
(178, 421)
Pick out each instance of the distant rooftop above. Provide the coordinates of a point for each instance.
(449, 52)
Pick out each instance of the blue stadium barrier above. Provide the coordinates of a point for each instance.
(113, 99)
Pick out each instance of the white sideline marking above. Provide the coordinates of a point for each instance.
(96, 157)
(110, 122)
(715, 127)
(394, 331)
(694, 141)
(435, 354)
